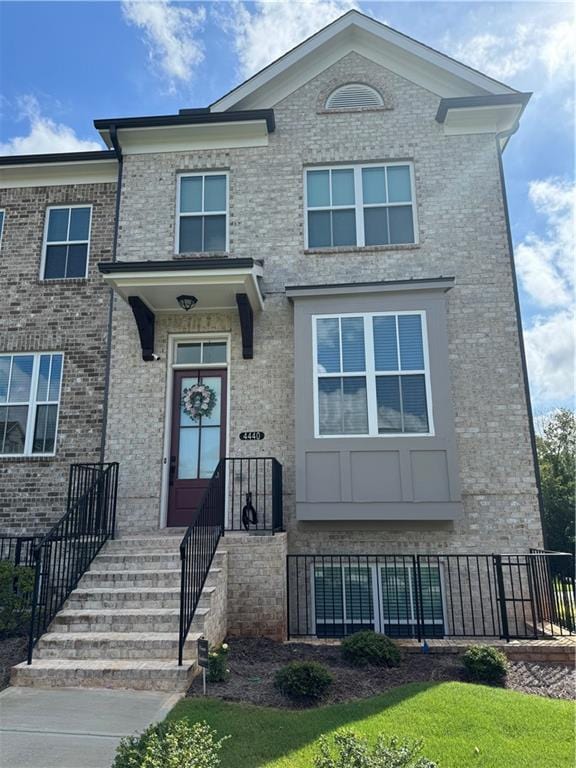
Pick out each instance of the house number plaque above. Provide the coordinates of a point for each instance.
(251, 435)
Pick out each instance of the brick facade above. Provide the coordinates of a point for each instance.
(462, 233)
(69, 316)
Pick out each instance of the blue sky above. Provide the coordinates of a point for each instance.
(62, 64)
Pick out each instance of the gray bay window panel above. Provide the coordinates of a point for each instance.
(339, 478)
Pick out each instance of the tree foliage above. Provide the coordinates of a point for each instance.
(557, 459)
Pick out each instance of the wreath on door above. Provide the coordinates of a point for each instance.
(198, 400)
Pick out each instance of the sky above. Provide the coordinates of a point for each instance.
(62, 64)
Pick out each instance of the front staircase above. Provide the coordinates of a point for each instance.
(119, 627)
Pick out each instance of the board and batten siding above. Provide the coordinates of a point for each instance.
(406, 477)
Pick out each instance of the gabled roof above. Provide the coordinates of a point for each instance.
(354, 31)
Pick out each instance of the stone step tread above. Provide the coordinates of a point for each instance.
(116, 637)
(73, 613)
(144, 553)
(82, 592)
(133, 571)
(128, 665)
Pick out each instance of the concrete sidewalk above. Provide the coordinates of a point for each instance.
(73, 728)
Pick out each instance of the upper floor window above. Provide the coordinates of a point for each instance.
(29, 401)
(354, 96)
(202, 213)
(360, 205)
(66, 242)
(371, 374)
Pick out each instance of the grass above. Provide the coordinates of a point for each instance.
(510, 729)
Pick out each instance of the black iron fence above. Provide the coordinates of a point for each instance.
(64, 554)
(427, 596)
(19, 550)
(555, 587)
(198, 548)
(253, 494)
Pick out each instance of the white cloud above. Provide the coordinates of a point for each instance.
(271, 29)
(546, 272)
(546, 263)
(550, 353)
(45, 135)
(171, 35)
(528, 45)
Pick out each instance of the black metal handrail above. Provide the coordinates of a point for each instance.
(67, 550)
(198, 548)
(425, 596)
(19, 550)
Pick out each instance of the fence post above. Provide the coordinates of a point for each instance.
(497, 559)
(418, 593)
(37, 557)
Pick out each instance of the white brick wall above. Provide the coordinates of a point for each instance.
(462, 233)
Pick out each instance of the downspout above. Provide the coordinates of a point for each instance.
(499, 150)
(118, 149)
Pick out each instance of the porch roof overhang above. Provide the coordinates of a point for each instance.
(219, 284)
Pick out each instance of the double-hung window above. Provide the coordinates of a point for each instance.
(202, 213)
(66, 242)
(360, 205)
(29, 402)
(371, 375)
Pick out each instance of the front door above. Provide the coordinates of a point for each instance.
(198, 439)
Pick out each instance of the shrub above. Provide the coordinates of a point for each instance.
(217, 664)
(171, 745)
(370, 647)
(351, 751)
(485, 665)
(16, 587)
(303, 680)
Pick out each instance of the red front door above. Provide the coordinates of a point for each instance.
(197, 443)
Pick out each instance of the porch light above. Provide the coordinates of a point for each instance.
(186, 301)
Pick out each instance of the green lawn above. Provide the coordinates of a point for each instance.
(511, 729)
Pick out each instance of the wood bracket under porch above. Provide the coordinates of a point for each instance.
(188, 285)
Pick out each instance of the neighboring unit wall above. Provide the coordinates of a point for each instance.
(69, 316)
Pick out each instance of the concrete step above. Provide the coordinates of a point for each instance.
(135, 597)
(136, 561)
(96, 578)
(118, 620)
(144, 544)
(114, 645)
(150, 675)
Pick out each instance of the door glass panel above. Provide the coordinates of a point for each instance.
(209, 450)
(214, 352)
(188, 453)
(215, 384)
(188, 353)
(185, 420)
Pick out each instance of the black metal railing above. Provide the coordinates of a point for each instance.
(19, 550)
(253, 494)
(426, 596)
(554, 579)
(198, 548)
(64, 554)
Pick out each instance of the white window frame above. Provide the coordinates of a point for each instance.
(179, 214)
(3, 212)
(359, 203)
(32, 403)
(65, 242)
(370, 374)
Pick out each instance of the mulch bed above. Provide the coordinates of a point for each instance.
(253, 663)
(12, 651)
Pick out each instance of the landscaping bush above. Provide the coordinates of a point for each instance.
(485, 665)
(370, 647)
(218, 664)
(351, 751)
(171, 745)
(303, 680)
(16, 587)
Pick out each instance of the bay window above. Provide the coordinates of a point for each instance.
(29, 403)
(371, 375)
(360, 205)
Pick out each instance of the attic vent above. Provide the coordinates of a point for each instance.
(354, 96)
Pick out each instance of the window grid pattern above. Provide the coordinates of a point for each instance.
(371, 375)
(67, 241)
(202, 213)
(360, 205)
(29, 402)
